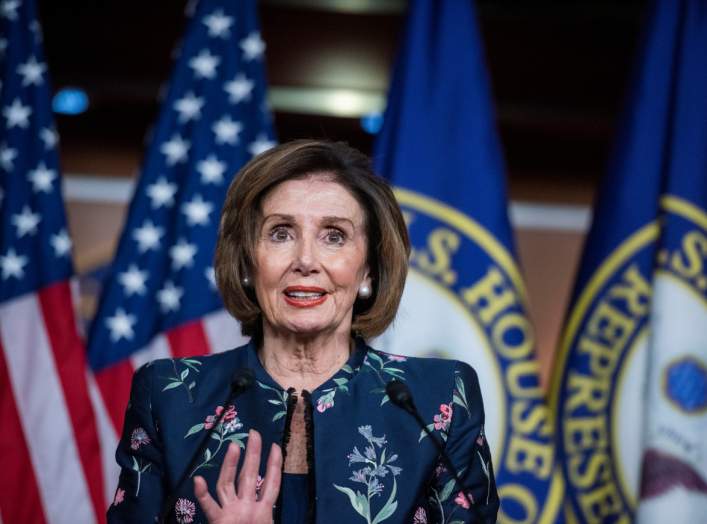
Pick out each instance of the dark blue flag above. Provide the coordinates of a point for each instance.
(465, 297)
(160, 298)
(630, 386)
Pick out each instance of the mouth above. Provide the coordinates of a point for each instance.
(304, 296)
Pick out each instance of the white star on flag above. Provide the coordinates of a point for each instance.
(210, 275)
(8, 9)
(227, 130)
(239, 88)
(182, 254)
(17, 114)
(218, 24)
(204, 64)
(61, 243)
(260, 145)
(133, 280)
(169, 297)
(121, 325)
(147, 236)
(49, 137)
(31, 72)
(212, 170)
(7, 156)
(189, 107)
(252, 46)
(26, 222)
(161, 193)
(12, 265)
(175, 149)
(197, 211)
(42, 178)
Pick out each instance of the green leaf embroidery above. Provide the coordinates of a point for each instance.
(423, 433)
(278, 416)
(375, 357)
(447, 490)
(390, 506)
(358, 501)
(184, 374)
(171, 385)
(194, 429)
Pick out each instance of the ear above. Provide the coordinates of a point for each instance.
(367, 280)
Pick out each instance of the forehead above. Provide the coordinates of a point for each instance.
(314, 195)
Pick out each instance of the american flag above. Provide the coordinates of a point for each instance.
(160, 298)
(50, 466)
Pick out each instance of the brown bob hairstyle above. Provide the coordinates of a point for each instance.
(241, 220)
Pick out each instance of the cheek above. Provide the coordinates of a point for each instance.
(348, 273)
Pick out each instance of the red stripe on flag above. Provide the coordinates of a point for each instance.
(70, 361)
(19, 491)
(189, 340)
(114, 383)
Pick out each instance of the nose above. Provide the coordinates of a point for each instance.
(306, 260)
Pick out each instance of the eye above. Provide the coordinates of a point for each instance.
(335, 236)
(279, 234)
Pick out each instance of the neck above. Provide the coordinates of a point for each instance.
(303, 362)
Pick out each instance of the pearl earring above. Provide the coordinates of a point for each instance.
(245, 281)
(364, 291)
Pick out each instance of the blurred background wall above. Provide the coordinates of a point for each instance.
(558, 71)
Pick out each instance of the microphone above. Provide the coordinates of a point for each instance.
(243, 379)
(400, 395)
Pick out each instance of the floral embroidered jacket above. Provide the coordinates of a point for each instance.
(371, 462)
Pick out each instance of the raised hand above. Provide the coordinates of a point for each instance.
(241, 504)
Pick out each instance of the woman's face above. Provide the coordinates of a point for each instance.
(310, 257)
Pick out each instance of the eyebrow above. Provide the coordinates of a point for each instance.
(332, 219)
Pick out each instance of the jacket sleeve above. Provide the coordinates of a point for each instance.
(138, 497)
(470, 455)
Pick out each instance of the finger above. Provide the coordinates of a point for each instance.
(210, 507)
(225, 485)
(273, 476)
(248, 476)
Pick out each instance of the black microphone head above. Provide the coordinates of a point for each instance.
(399, 394)
(243, 378)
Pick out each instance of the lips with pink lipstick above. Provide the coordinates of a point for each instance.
(304, 296)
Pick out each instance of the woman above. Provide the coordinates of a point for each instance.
(311, 259)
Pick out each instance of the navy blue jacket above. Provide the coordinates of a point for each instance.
(370, 461)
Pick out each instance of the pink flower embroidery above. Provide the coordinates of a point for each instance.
(139, 438)
(444, 417)
(184, 510)
(230, 413)
(439, 470)
(461, 500)
(213, 419)
(323, 406)
(396, 358)
(420, 516)
(119, 496)
(480, 440)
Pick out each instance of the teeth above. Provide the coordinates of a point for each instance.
(304, 294)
